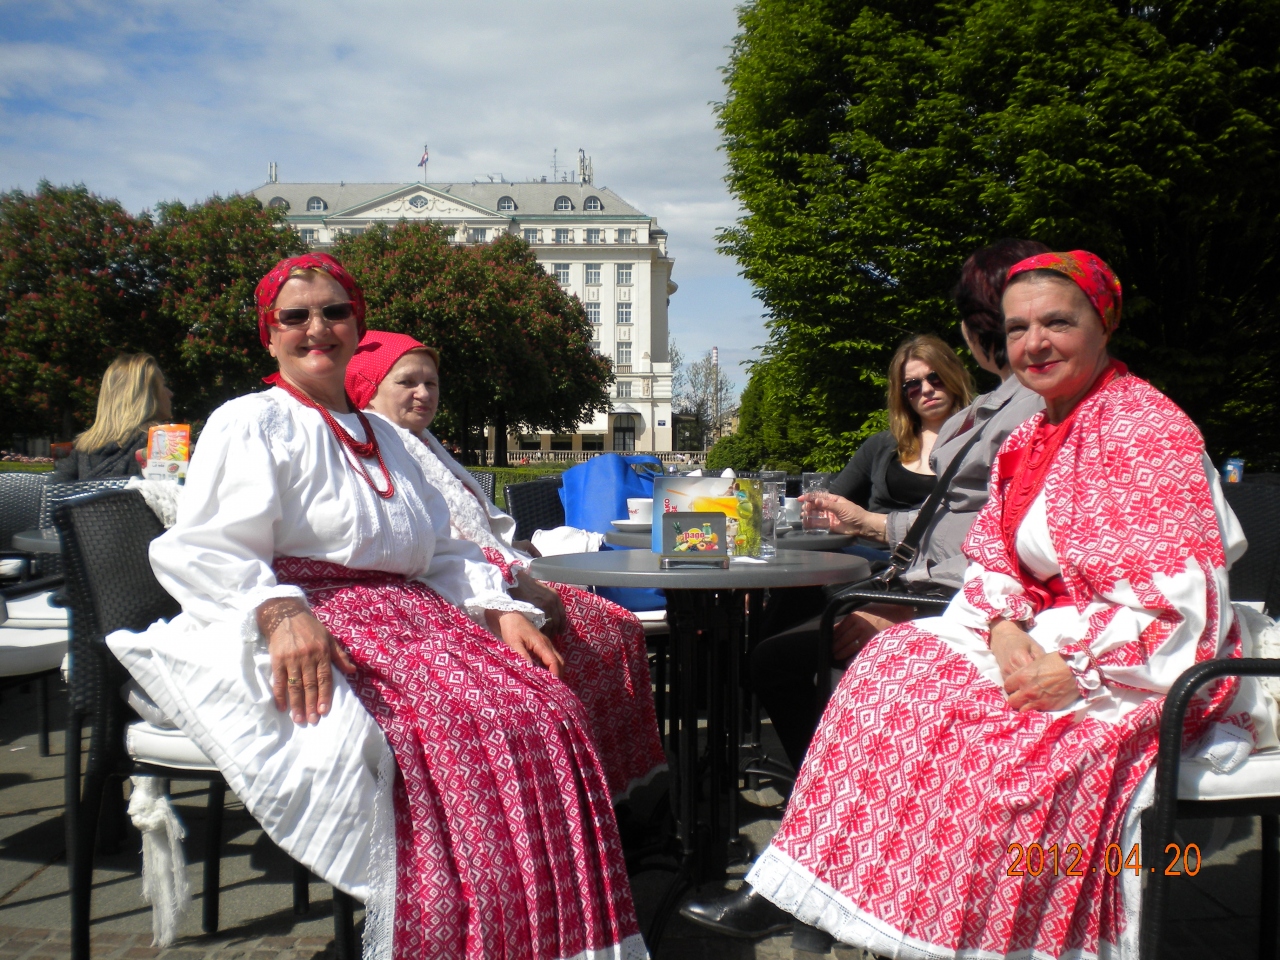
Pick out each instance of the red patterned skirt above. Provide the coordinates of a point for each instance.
(506, 845)
(606, 663)
(919, 779)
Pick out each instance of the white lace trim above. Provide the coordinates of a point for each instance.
(632, 948)
(380, 908)
(466, 516)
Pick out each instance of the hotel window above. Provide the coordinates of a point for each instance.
(624, 432)
(624, 353)
(562, 441)
(624, 313)
(477, 235)
(309, 235)
(595, 345)
(562, 272)
(354, 231)
(624, 274)
(506, 204)
(593, 273)
(624, 389)
(279, 203)
(593, 204)
(530, 234)
(593, 310)
(593, 441)
(564, 235)
(563, 203)
(530, 441)
(315, 205)
(625, 235)
(595, 235)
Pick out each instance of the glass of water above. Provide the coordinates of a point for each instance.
(815, 522)
(770, 513)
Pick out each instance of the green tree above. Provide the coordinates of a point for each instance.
(77, 286)
(211, 256)
(874, 145)
(515, 349)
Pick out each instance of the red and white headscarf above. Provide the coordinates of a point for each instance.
(378, 352)
(269, 286)
(1087, 271)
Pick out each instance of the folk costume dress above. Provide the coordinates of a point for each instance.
(1103, 533)
(485, 830)
(605, 658)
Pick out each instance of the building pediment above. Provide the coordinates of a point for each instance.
(418, 202)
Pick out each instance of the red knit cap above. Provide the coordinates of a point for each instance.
(378, 352)
(269, 286)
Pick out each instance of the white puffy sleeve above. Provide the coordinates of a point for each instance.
(216, 558)
(461, 574)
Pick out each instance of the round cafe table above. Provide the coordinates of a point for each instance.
(713, 614)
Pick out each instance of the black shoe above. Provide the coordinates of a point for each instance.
(807, 939)
(744, 914)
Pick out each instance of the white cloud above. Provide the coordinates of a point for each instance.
(157, 99)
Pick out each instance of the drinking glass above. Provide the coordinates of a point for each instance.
(770, 512)
(778, 477)
(816, 524)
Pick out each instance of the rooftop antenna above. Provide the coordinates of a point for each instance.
(273, 175)
(585, 173)
(555, 166)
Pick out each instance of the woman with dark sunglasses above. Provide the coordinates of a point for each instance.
(891, 470)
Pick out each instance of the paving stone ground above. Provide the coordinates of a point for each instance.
(1216, 913)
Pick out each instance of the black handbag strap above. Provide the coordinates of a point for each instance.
(905, 552)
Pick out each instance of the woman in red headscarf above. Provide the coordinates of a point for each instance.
(1027, 713)
(605, 659)
(307, 538)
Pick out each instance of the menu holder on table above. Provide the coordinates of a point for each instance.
(693, 540)
(737, 500)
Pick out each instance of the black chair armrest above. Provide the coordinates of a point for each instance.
(1159, 820)
(38, 585)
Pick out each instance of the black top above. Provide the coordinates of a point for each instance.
(111, 461)
(906, 485)
(865, 479)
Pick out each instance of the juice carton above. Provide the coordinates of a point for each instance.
(168, 452)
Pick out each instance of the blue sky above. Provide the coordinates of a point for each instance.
(144, 100)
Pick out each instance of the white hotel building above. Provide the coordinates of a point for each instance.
(601, 249)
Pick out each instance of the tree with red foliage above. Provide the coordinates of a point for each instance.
(211, 258)
(77, 287)
(515, 349)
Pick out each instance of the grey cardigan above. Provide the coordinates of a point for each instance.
(996, 414)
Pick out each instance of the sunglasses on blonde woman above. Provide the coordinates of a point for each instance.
(915, 386)
(331, 313)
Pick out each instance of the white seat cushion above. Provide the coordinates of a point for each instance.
(166, 747)
(24, 650)
(650, 616)
(1258, 776)
(36, 611)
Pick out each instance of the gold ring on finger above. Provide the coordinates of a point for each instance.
(294, 681)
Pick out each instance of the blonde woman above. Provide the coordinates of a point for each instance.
(891, 470)
(132, 398)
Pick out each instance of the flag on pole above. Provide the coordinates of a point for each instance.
(423, 161)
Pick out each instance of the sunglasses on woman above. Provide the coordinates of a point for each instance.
(915, 386)
(331, 313)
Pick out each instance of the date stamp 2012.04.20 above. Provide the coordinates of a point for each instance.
(1035, 859)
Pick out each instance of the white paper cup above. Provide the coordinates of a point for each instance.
(791, 509)
(640, 510)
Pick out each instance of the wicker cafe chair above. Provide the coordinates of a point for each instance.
(535, 505)
(109, 587)
(486, 480)
(21, 496)
(1190, 788)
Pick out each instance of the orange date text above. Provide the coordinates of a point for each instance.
(1035, 859)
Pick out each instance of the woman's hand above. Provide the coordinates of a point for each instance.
(852, 633)
(524, 638)
(1013, 647)
(301, 653)
(543, 597)
(846, 516)
(1047, 683)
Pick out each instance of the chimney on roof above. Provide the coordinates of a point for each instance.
(273, 175)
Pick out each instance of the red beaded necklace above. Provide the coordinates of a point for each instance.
(363, 451)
